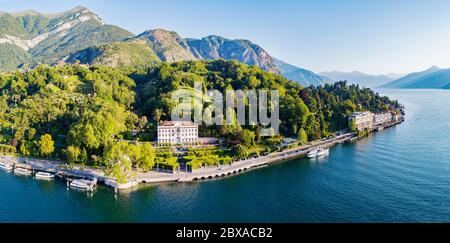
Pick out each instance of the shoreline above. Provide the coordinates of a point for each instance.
(61, 170)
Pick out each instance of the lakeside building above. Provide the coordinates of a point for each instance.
(362, 120)
(382, 118)
(177, 133)
(369, 120)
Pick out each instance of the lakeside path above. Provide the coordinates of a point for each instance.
(180, 176)
(240, 166)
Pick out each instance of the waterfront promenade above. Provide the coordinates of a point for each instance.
(62, 170)
(181, 176)
(240, 166)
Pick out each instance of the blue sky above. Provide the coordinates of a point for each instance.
(372, 36)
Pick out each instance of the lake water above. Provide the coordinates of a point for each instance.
(401, 174)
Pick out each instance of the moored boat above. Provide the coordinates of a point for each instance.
(323, 152)
(313, 153)
(44, 175)
(83, 184)
(6, 166)
(22, 171)
(317, 152)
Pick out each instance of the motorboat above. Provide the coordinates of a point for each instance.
(83, 184)
(313, 153)
(22, 171)
(6, 166)
(44, 176)
(317, 152)
(323, 152)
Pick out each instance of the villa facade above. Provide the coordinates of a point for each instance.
(382, 118)
(177, 133)
(368, 120)
(363, 120)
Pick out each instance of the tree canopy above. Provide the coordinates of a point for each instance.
(83, 114)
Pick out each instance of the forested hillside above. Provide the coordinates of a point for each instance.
(80, 113)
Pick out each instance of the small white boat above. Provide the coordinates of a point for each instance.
(313, 153)
(318, 152)
(5, 166)
(85, 185)
(44, 176)
(323, 152)
(22, 171)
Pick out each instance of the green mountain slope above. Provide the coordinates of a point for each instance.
(300, 75)
(48, 38)
(12, 57)
(84, 35)
(117, 54)
(168, 45)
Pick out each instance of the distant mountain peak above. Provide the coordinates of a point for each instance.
(168, 45)
(357, 77)
(158, 32)
(433, 77)
(79, 8)
(29, 12)
(78, 12)
(433, 68)
(214, 47)
(300, 75)
(214, 37)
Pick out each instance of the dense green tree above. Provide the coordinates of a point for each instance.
(46, 145)
(72, 154)
(118, 159)
(147, 156)
(302, 136)
(352, 125)
(248, 138)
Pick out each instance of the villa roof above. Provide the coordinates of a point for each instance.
(178, 124)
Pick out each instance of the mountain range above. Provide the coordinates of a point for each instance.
(295, 73)
(362, 79)
(432, 78)
(30, 38)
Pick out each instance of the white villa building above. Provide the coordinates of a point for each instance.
(382, 118)
(177, 133)
(362, 120)
(369, 120)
